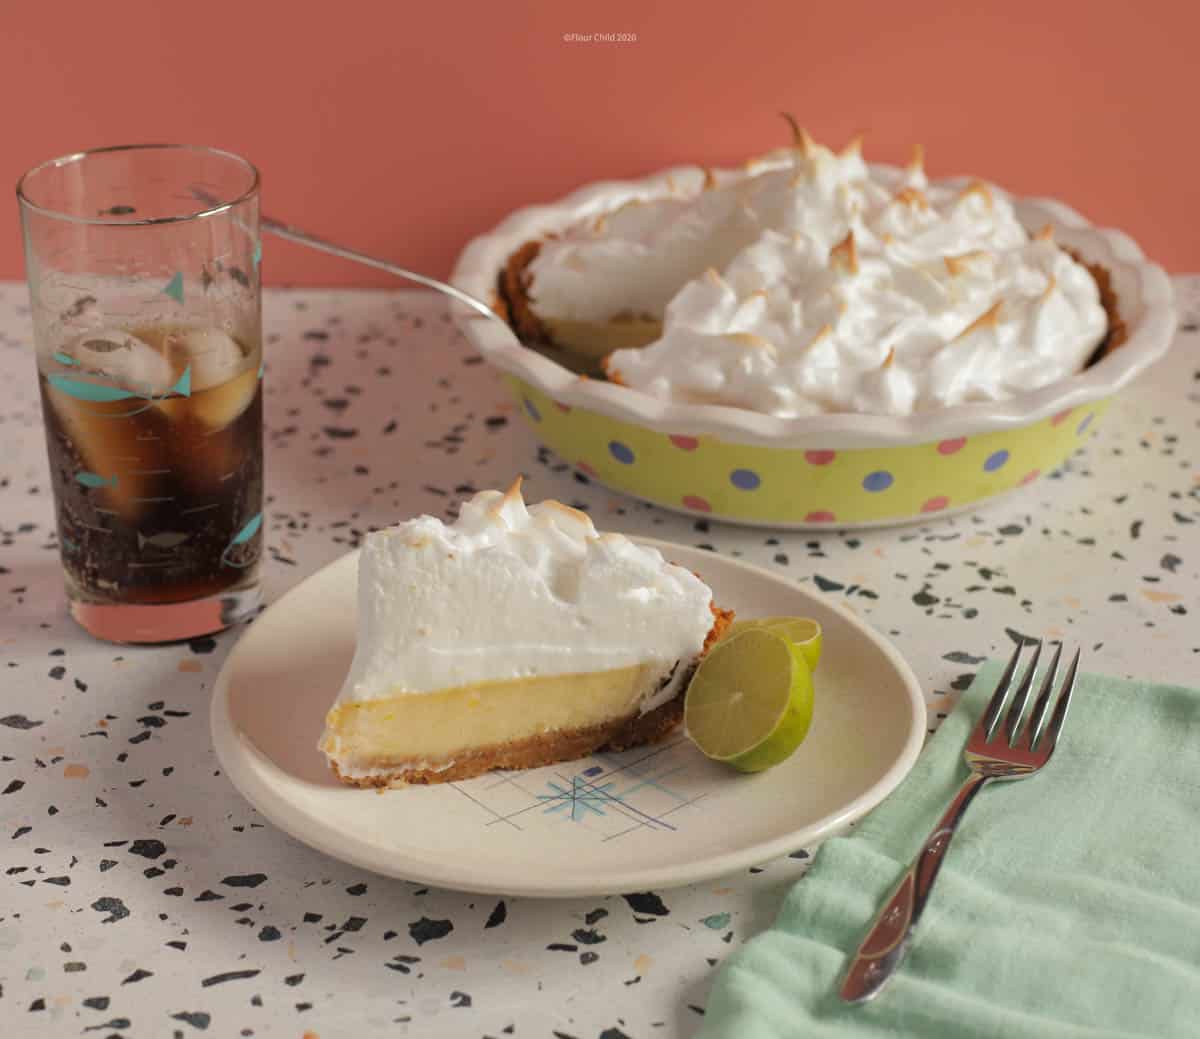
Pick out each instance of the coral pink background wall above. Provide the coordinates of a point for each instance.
(404, 128)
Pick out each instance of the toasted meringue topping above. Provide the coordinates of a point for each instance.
(835, 266)
(909, 333)
(512, 591)
(639, 257)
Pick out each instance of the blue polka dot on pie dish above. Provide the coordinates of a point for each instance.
(745, 479)
(995, 460)
(621, 452)
(880, 480)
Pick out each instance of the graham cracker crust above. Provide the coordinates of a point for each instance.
(1117, 331)
(513, 302)
(548, 748)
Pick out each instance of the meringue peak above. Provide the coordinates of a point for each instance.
(801, 141)
(956, 265)
(990, 318)
(844, 255)
(751, 340)
(911, 196)
(978, 187)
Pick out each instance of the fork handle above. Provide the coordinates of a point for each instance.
(886, 943)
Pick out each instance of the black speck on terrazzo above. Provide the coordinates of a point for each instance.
(427, 930)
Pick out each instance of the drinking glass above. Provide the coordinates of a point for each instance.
(143, 269)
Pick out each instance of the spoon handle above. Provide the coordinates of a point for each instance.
(294, 234)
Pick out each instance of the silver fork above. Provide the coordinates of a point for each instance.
(1016, 754)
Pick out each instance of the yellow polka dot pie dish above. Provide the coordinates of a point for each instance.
(812, 340)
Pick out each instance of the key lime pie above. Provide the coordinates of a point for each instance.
(516, 636)
(810, 282)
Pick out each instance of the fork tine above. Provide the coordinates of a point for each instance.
(987, 723)
(1021, 697)
(1041, 706)
(1060, 708)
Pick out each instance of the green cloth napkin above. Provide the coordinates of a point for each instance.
(1068, 905)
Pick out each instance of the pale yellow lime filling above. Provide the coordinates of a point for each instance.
(434, 727)
(595, 340)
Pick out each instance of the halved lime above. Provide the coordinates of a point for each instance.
(750, 701)
(804, 632)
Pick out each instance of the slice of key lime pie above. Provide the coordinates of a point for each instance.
(516, 636)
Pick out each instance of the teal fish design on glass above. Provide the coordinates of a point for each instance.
(174, 288)
(94, 480)
(262, 367)
(230, 557)
(64, 359)
(102, 393)
(257, 254)
(164, 539)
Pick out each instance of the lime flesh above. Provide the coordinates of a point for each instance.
(750, 701)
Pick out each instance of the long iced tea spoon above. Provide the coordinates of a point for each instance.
(294, 234)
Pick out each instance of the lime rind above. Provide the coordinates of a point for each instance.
(803, 632)
(791, 729)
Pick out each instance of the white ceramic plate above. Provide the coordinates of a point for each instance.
(650, 818)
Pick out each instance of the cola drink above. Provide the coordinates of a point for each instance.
(154, 436)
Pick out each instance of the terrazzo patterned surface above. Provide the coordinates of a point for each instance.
(144, 897)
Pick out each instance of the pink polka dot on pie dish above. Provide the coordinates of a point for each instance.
(584, 468)
(819, 457)
(693, 501)
(949, 447)
(820, 516)
(685, 444)
(564, 408)
(935, 504)
(1061, 417)
(1030, 476)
